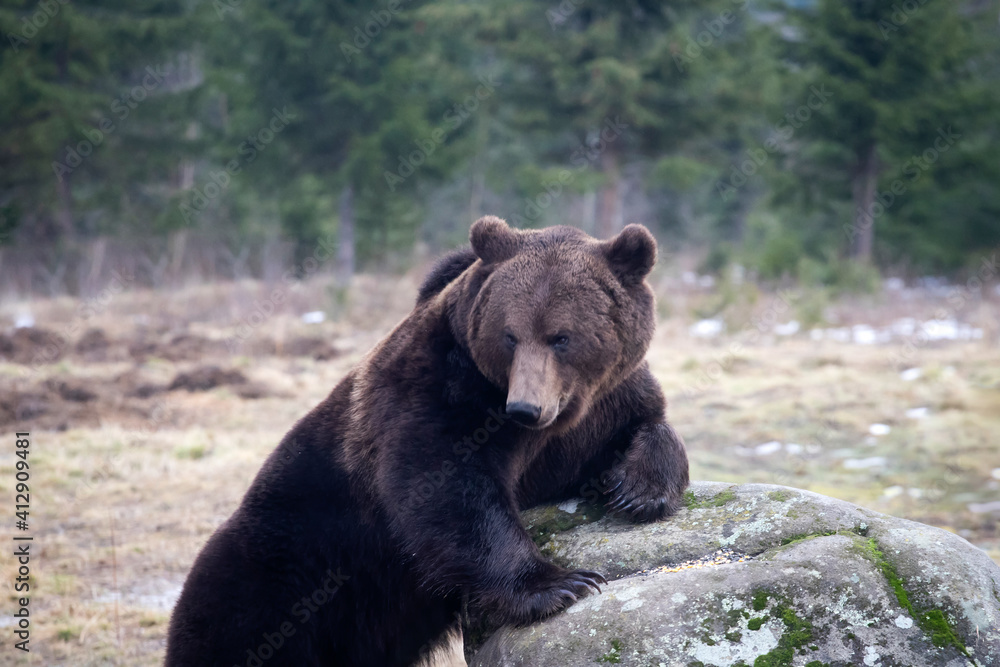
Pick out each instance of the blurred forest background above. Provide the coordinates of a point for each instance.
(210, 210)
(818, 141)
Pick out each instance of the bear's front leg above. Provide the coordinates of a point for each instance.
(465, 536)
(648, 483)
(538, 592)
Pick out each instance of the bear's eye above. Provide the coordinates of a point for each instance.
(560, 342)
(510, 340)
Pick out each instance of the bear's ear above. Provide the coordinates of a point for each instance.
(493, 241)
(631, 254)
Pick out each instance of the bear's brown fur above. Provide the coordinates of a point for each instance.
(517, 379)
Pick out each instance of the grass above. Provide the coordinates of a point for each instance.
(168, 469)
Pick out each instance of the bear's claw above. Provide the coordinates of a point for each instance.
(564, 590)
(649, 483)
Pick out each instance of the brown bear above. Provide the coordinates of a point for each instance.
(517, 378)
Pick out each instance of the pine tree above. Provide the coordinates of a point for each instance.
(886, 81)
(74, 77)
(359, 81)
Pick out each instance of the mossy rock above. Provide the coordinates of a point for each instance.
(824, 583)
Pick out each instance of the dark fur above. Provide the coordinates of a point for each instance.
(386, 483)
(445, 270)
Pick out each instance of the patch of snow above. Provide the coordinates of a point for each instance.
(916, 413)
(995, 474)
(911, 374)
(24, 321)
(879, 429)
(893, 491)
(985, 508)
(862, 464)
(787, 329)
(707, 328)
(949, 330)
(862, 334)
(767, 448)
(314, 317)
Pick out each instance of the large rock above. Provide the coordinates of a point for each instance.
(821, 582)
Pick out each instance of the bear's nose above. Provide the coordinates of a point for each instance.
(524, 413)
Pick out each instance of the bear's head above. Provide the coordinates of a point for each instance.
(557, 318)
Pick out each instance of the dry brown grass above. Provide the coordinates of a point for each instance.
(168, 467)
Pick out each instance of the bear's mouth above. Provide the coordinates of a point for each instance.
(546, 422)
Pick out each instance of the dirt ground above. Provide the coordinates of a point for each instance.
(150, 413)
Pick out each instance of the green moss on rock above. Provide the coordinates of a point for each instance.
(718, 500)
(544, 521)
(614, 655)
(798, 632)
(932, 621)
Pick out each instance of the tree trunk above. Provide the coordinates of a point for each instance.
(865, 182)
(609, 220)
(345, 237)
(64, 216)
(64, 190)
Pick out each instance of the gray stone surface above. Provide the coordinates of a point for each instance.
(829, 583)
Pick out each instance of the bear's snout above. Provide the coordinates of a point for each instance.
(534, 387)
(524, 413)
